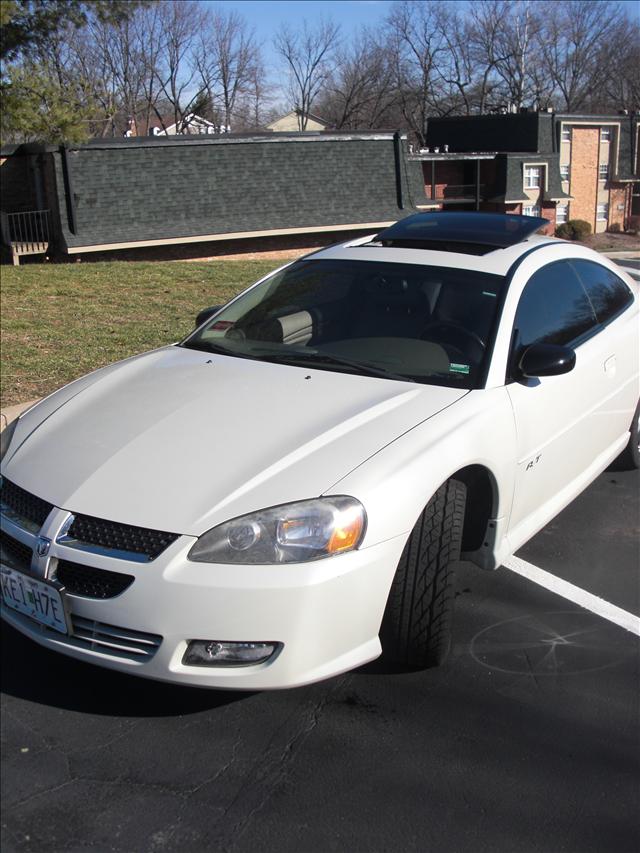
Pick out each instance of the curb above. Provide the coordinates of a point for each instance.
(10, 413)
(632, 255)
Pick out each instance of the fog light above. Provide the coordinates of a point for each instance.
(216, 653)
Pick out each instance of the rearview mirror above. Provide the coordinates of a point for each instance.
(546, 360)
(205, 314)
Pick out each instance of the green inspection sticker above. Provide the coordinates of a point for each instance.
(458, 368)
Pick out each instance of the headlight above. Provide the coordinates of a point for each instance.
(5, 437)
(291, 533)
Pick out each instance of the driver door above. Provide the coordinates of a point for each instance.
(561, 421)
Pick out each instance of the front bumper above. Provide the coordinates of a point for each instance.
(325, 614)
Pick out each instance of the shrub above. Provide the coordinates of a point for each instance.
(564, 231)
(614, 228)
(581, 229)
(574, 229)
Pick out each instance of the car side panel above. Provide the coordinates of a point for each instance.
(566, 422)
(396, 483)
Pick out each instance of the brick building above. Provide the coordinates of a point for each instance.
(556, 165)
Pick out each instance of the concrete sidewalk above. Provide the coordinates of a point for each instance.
(634, 254)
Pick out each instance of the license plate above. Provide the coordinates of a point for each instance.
(37, 599)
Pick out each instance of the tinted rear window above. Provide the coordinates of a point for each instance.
(609, 295)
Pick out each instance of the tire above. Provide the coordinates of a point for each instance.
(416, 627)
(629, 459)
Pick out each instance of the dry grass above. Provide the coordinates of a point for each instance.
(609, 241)
(60, 321)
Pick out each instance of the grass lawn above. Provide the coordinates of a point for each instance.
(59, 321)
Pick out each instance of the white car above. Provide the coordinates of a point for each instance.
(283, 495)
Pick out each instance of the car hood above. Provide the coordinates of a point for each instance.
(180, 440)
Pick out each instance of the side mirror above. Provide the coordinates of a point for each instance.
(546, 360)
(204, 315)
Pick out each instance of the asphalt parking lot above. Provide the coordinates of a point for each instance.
(527, 740)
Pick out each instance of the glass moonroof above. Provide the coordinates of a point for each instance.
(488, 229)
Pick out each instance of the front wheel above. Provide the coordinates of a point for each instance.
(416, 627)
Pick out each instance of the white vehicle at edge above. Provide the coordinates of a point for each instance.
(283, 496)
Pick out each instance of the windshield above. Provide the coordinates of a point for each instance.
(401, 321)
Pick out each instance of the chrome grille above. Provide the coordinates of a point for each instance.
(23, 504)
(115, 537)
(125, 643)
(112, 640)
(90, 582)
(14, 553)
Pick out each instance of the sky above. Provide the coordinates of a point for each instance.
(267, 15)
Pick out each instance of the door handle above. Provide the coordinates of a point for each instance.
(610, 366)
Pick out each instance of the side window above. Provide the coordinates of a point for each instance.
(609, 295)
(553, 308)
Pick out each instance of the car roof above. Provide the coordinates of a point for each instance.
(493, 243)
(484, 242)
(495, 262)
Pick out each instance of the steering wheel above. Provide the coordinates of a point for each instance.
(464, 341)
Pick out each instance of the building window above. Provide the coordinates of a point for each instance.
(603, 171)
(531, 210)
(562, 213)
(602, 212)
(605, 134)
(532, 177)
(564, 173)
(566, 134)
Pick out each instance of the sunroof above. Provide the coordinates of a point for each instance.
(476, 231)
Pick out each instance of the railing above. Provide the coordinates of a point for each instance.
(455, 191)
(26, 233)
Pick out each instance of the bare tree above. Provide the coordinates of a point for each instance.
(147, 25)
(482, 36)
(180, 23)
(258, 95)
(418, 45)
(93, 65)
(456, 68)
(226, 59)
(621, 59)
(116, 61)
(516, 39)
(308, 53)
(360, 92)
(111, 56)
(571, 43)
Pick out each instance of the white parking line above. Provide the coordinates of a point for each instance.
(581, 597)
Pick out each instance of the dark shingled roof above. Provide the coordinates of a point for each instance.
(169, 188)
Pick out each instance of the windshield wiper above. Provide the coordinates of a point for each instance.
(327, 358)
(218, 349)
